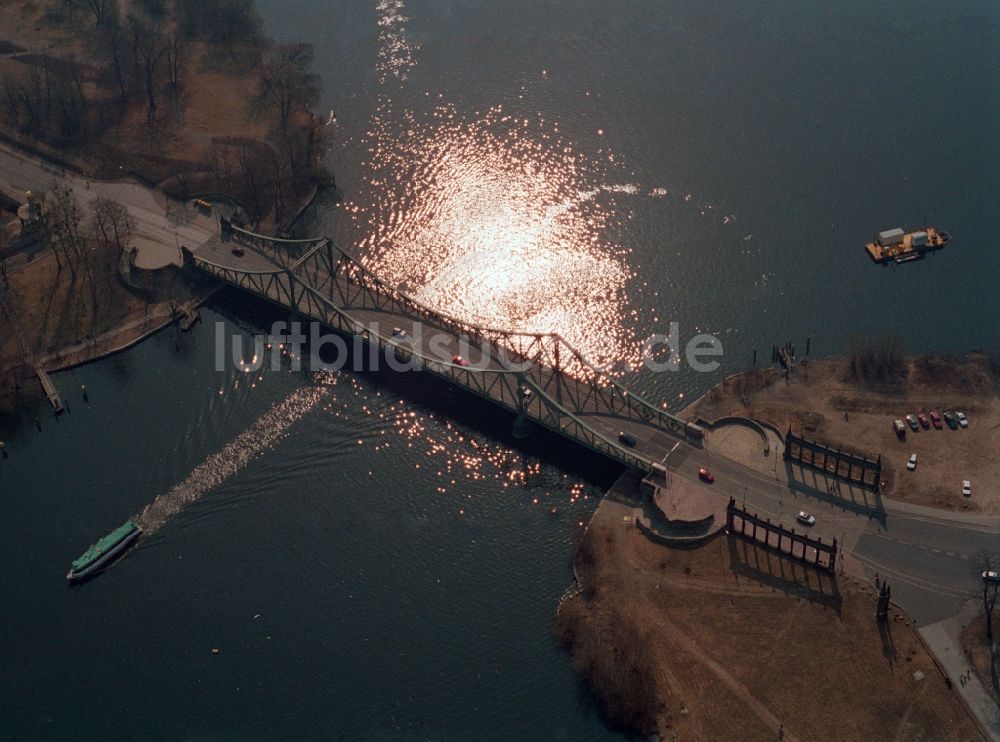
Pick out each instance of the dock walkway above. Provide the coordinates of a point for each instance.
(50, 389)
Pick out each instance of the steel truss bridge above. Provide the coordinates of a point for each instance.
(537, 376)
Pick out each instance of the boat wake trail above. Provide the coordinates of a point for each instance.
(234, 456)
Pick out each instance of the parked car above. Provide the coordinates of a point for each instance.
(459, 361)
(949, 417)
(911, 463)
(962, 419)
(627, 438)
(706, 475)
(899, 428)
(924, 420)
(912, 420)
(936, 419)
(804, 517)
(967, 488)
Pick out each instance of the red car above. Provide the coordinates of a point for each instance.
(459, 361)
(936, 420)
(924, 420)
(238, 252)
(706, 475)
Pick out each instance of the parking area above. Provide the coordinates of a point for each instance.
(821, 404)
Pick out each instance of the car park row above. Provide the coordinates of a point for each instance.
(935, 419)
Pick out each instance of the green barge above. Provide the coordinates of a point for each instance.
(104, 551)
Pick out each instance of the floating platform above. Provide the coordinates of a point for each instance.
(188, 315)
(897, 246)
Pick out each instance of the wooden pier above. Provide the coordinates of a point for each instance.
(188, 315)
(50, 390)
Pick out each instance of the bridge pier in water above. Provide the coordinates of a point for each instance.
(539, 377)
(522, 427)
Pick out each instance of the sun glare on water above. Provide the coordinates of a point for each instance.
(493, 219)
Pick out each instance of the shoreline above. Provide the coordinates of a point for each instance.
(212, 119)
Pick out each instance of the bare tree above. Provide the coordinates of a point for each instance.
(61, 219)
(287, 85)
(113, 227)
(174, 47)
(101, 9)
(112, 46)
(991, 584)
(149, 49)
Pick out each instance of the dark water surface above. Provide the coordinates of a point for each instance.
(366, 551)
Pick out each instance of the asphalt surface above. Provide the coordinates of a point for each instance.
(161, 226)
(930, 558)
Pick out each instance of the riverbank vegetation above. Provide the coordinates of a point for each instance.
(65, 296)
(731, 641)
(187, 95)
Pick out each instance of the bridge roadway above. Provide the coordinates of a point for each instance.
(929, 557)
(587, 407)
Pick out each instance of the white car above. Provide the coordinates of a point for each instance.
(963, 421)
(804, 517)
(967, 488)
(911, 463)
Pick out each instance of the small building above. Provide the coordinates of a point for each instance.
(890, 237)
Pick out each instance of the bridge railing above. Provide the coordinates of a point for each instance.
(537, 350)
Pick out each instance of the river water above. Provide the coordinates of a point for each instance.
(373, 555)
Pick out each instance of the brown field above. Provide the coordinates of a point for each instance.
(728, 641)
(820, 402)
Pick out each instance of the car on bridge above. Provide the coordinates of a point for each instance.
(459, 361)
(238, 252)
(706, 475)
(627, 438)
(804, 517)
(398, 332)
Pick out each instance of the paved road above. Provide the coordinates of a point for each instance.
(159, 232)
(929, 557)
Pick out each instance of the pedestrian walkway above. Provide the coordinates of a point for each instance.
(942, 638)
